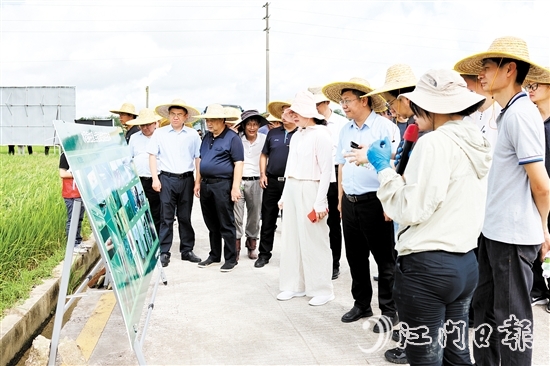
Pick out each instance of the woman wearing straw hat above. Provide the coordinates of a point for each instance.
(436, 272)
(147, 123)
(516, 219)
(306, 259)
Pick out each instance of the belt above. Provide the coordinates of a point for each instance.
(182, 175)
(250, 178)
(280, 179)
(213, 180)
(360, 197)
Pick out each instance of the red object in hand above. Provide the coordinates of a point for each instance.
(312, 216)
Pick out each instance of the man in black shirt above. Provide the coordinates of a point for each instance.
(127, 113)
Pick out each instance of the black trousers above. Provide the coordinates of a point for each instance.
(176, 198)
(154, 200)
(270, 210)
(217, 212)
(366, 232)
(333, 222)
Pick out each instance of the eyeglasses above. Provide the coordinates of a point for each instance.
(179, 115)
(347, 101)
(532, 87)
(389, 104)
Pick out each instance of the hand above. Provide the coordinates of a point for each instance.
(197, 189)
(263, 181)
(357, 156)
(280, 204)
(379, 154)
(156, 184)
(340, 207)
(321, 215)
(387, 218)
(235, 194)
(545, 246)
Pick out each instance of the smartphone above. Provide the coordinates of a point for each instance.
(312, 216)
(354, 145)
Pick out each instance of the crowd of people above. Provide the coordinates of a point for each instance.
(458, 236)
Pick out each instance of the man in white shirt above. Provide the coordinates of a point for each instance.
(251, 191)
(177, 148)
(366, 228)
(147, 122)
(335, 122)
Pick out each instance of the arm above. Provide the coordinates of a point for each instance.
(153, 168)
(324, 161)
(539, 182)
(340, 189)
(197, 188)
(64, 173)
(263, 167)
(237, 177)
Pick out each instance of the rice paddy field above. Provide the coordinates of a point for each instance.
(32, 222)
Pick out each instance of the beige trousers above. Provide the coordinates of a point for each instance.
(306, 258)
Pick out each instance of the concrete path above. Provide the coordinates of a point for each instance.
(208, 317)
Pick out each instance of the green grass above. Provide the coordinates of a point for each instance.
(32, 222)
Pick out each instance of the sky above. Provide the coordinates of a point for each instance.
(208, 52)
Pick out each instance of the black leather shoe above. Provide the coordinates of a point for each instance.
(190, 256)
(396, 355)
(335, 273)
(355, 314)
(261, 262)
(385, 323)
(164, 259)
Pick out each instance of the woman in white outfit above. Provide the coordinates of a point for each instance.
(306, 258)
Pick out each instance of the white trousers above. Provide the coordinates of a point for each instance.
(306, 258)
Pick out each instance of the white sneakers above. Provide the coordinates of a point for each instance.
(315, 300)
(321, 300)
(287, 295)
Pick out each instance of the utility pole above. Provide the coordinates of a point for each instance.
(266, 30)
(146, 97)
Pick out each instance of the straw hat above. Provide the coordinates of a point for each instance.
(232, 111)
(192, 113)
(146, 116)
(304, 105)
(164, 122)
(506, 47)
(333, 92)
(275, 108)
(443, 92)
(218, 111)
(318, 95)
(270, 118)
(126, 108)
(253, 113)
(544, 79)
(399, 76)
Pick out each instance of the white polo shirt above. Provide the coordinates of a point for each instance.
(138, 147)
(252, 151)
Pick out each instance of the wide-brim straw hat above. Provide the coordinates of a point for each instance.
(235, 112)
(146, 116)
(304, 105)
(443, 92)
(275, 108)
(504, 47)
(253, 113)
(217, 111)
(399, 76)
(126, 108)
(271, 118)
(543, 79)
(192, 113)
(318, 95)
(333, 91)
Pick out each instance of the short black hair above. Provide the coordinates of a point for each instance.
(521, 66)
(397, 92)
(177, 107)
(358, 94)
(320, 121)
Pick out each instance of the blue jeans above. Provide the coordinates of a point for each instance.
(433, 291)
(69, 203)
(505, 281)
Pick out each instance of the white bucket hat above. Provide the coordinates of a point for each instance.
(304, 105)
(162, 110)
(218, 111)
(443, 92)
(318, 95)
(126, 108)
(146, 116)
